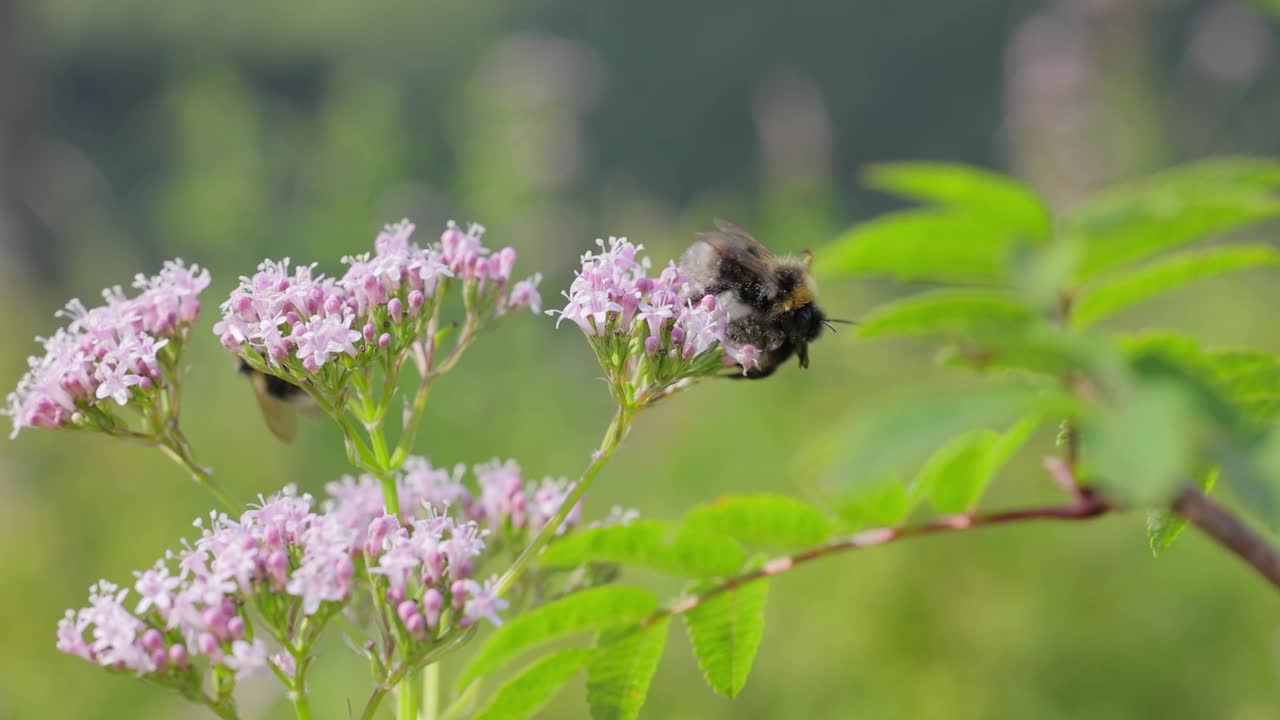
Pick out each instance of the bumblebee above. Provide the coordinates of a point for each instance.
(278, 399)
(771, 300)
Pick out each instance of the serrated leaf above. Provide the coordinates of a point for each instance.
(1043, 349)
(999, 198)
(874, 445)
(618, 679)
(965, 313)
(955, 478)
(941, 245)
(766, 520)
(726, 632)
(686, 552)
(1132, 222)
(879, 503)
(526, 693)
(1163, 526)
(1248, 380)
(586, 611)
(1125, 289)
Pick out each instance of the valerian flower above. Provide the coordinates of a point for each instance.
(652, 335)
(312, 330)
(225, 600)
(122, 355)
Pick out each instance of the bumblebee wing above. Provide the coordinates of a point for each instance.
(751, 268)
(735, 231)
(282, 421)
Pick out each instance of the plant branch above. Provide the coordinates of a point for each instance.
(178, 448)
(612, 439)
(1086, 508)
(1230, 532)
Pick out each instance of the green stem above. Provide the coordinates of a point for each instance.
(298, 686)
(301, 706)
(175, 445)
(612, 438)
(408, 696)
(431, 692)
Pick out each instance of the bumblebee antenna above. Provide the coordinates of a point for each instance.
(832, 328)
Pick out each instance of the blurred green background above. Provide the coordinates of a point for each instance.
(224, 132)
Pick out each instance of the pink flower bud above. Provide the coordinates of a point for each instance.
(369, 332)
(235, 626)
(416, 625)
(395, 309)
(207, 644)
(406, 610)
(416, 300)
(384, 340)
(152, 639)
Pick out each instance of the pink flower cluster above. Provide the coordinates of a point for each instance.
(500, 499)
(505, 500)
(280, 548)
(306, 319)
(613, 297)
(120, 350)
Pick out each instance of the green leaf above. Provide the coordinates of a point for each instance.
(686, 552)
(956, 477)
(879, 503)
(940, 245)
(618, 679)
(526, 693)
(1132, 222)
(1163, 526)
(1250, 379)
(998, 198)
(726, 632)
(883, 442)
(1140, 446)
(586, 611)
(1125, 289)
(1043, 349)
(955, 312)
(1246, 379)
(768, 520)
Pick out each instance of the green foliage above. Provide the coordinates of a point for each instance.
(979, 219)
(881, 502)
(874, 445)
(586, 611)
(999, 199)
(1163, 526)
(958, 474)
(918, 245)
(686, 552)
(526, 693)
(1121, 290)
(766, 520)
(619, 676)
(1247, 380)
(950, 312)
(725, 632)
(1133, 222)
(1140, 445)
